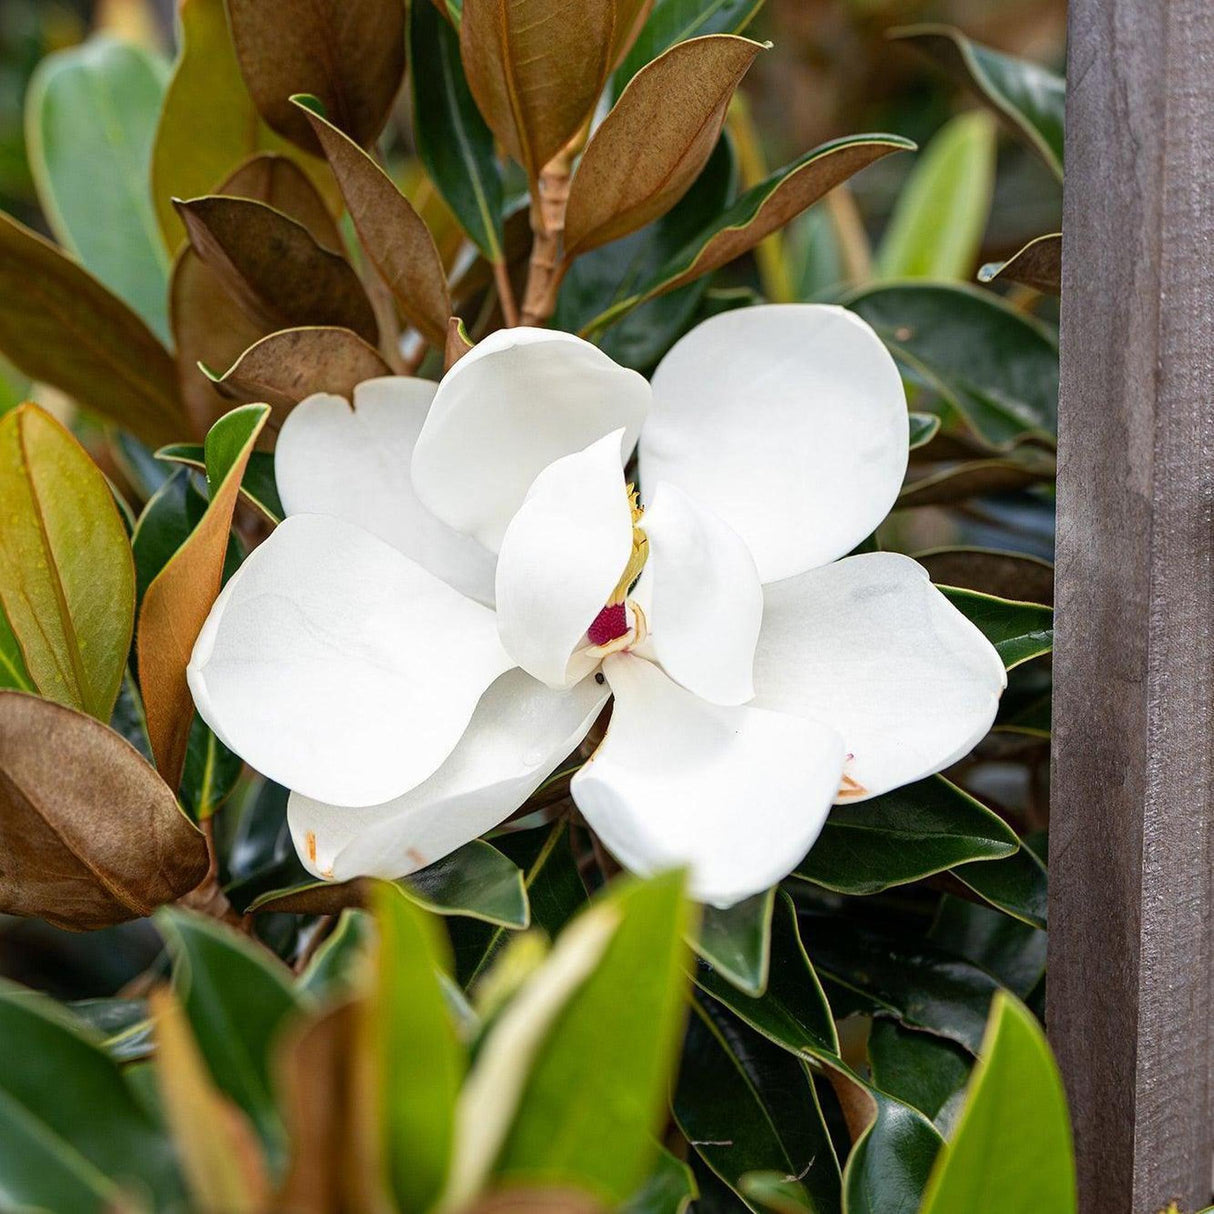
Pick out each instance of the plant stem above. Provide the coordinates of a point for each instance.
(505, 294)
(550, 197)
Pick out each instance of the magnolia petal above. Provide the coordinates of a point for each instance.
(516, 402)
(788, 421)
(872, 647)
(736, 794)
(519, 733)
(562, 556)
(701, 597)
(353, 463)
(340, 668)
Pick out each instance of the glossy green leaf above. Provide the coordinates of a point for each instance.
(736, 943)
(237, 999)
(258, 486)
(170, 515)
(938, 222)
(674, 21)
(1029, 96)
(904, 976)
(555, 893)
(922, 1070)
(1018, 886)
(995, 366)
(334, 968)
(60, 326)
(1011, 1152)
(1011, 950)
(1037, 265)
(73, 1133)
(889, 1164)
(903, 836)
(923, 428)
(763, 209)
(452, 139)
(91, 115)
(417, 1054)
(1018, 631)
(746, 1105)
(792, 1011)
(13, 673)
(775, 1193)
(122, 1024)
(67, 579)
(210, 774)
(598, 280)
(596, 1095)
(670, 1189)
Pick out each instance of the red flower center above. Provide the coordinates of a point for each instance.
(610, 623)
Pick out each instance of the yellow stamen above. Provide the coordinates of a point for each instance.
(639, 554)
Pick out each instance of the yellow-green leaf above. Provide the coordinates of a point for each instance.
(67, 579)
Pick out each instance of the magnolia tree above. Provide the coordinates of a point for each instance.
(477, 626)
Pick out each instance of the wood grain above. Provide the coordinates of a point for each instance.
(1132, 841)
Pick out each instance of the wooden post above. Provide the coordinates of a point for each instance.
(1129, 989)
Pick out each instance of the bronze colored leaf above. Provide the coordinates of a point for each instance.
(67, 578)
(1006, 575)
(350, 55)
(536, 69)
(221, 1158)
(392, 233)
(90, 835)
(630, 18)
(1037, 265)
(653, 144)
(60, 326)
(177, 603)
(274, 268)
(208, 124)
(287, 366)
(326, 1085)
(981, 476)
(208, 325)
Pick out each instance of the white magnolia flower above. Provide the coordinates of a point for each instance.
(450, 604)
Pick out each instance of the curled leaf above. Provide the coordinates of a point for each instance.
(179, 599)
(90, 835)
(1037, 265)
(392, 233)
(274, 267)
(350, 55)
(536, 70)
(67, 579)
(657, 139)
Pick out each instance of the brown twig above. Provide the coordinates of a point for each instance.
(550, 197)
(505, 294)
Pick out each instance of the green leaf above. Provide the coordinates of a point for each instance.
(173, 511)
(1037, 265)
(995, 366)
(903, 976)
(763, 209)
(598, 280)
(776, 1193)
(1029, 96)
(746, 1105)
(923, 428)
(939, 219)
(736, 943)
(1011, 1152)
(13, 673)
(1018, 886)
(73, 1134)
(1018, 631)
(332, 971)
(1013, 951)
(889, 1164)
(677, 20)
(476, 881)
(903, 836)
(792, 1011)
(258, 486)
(67, 579)
(123, 1025)
(452, 139)
(670, 1189)
(91, 115)
(237, 999)
(211, 772)
(554, 889)
(60, 326)
(597, 1092)
(923, 1070)
(418, 1057)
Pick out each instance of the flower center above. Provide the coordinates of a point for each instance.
(611, 624)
